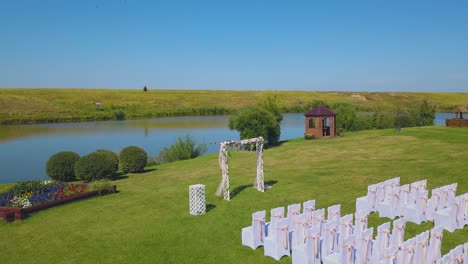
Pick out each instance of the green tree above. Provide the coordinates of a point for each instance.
(272, 104)
(346, 116)
(255, 121)
(426, 114)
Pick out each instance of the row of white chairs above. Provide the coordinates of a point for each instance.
(457, 255)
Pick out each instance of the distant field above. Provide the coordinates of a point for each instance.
(148, 221)
(63, 105)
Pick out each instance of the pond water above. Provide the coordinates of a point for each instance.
(25, 149)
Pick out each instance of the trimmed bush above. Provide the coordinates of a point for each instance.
(133, 159)
(60, 166)
(95, 166)
(183, 149)
(112, 155)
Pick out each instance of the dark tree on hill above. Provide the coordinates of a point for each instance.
(145, 89)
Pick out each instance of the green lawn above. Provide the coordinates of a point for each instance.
(148, 220)
(58, 105)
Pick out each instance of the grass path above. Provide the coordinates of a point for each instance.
(59, 105)
(148, 220)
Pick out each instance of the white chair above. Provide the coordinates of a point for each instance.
(388, 186)
(364, 246)
(300, 231)
(404, 197)
(451, 218)
(318, 217)
(380, 191)
(406, 253)
(420, 252)
(446, 259)
(416, 213)
(308, 208)
(346, 228)
(367, 203)
(456, 255)
(308, 252)
(360, 221)
(398, 232)
(448, 194)
(346, 255)
(277, 246)
(329, 238)
(390, 255)
(390, 208)
(293, 211)
(276, 215)
(435, 244)
(252, 236)
(334, 212)
(465, 210)
(381, 242)
(434, 204)
(465, 253)
(413, 193)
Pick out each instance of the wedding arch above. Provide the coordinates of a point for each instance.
(223, 188)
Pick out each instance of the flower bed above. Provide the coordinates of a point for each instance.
(33, 196)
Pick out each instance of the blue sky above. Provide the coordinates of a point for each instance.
(255, 45)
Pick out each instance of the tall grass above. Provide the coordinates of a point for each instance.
(65, 105)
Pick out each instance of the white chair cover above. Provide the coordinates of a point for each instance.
(346, 254)
(449, 193)
(413, 193)
(435, 244)
(451, 218)
(465, 206)
(391, 255)
(446, 259)
(390, 208)
(293, 211)
(300, 231)
(330, 238)
(388, 185)
(360, 221)
(406, 253)
(465, 252)
(398, 232)
(456, 255)
(380, 193)
(422, 242)
(277, 246)
(334, 212)
(308, 208)
(364, 246)
(434, 204)
(276, 215)
(381, 243)
(404, 197)
(346, 228)
(252, 236)
(309, 251)
(417, 213)
(318, 217)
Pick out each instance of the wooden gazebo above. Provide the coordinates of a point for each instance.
(320, 122)
(458, 121)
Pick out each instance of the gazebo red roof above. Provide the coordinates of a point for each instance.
(320, 111)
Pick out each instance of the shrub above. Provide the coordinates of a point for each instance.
(60, 166)
(183, 149)
(102, 186)
(113, 156)
(119, 115)
(133, 159)
(95, 166)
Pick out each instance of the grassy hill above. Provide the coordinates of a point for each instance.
(148, 220)
(60, 105)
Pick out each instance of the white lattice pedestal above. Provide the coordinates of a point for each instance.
(197, 199)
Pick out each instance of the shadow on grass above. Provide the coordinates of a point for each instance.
(122, 175)
(210, 207)
(276, 145)
(239, 189)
